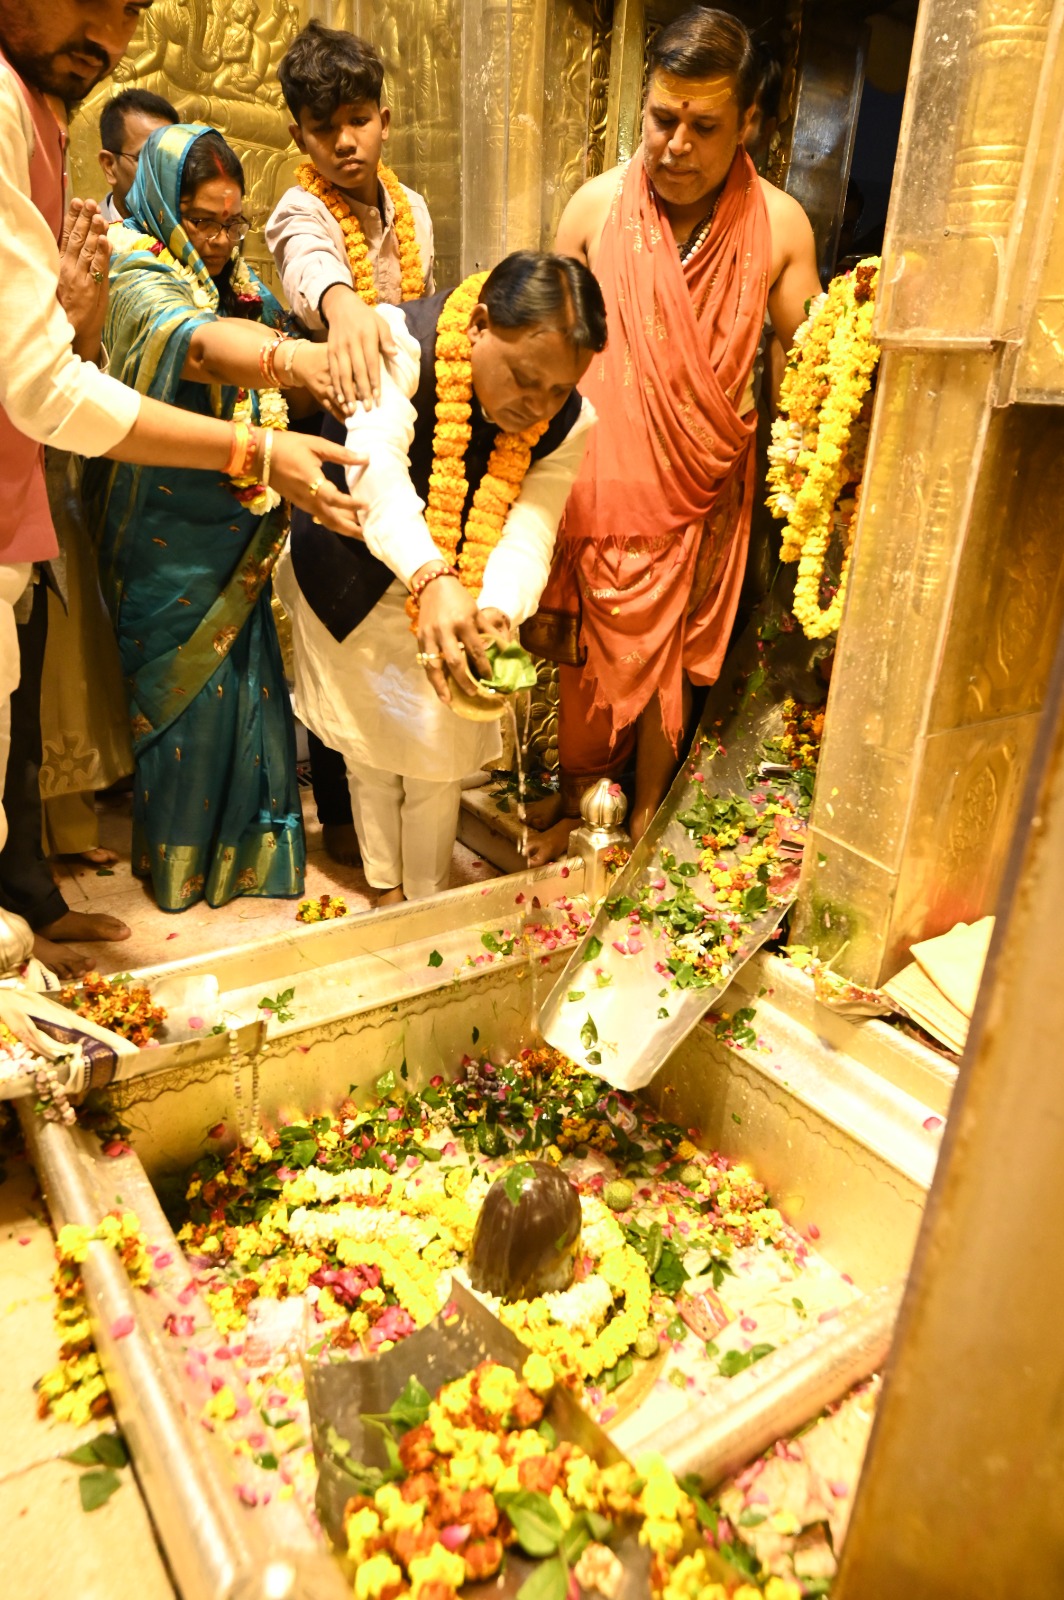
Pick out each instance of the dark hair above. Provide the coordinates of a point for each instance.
(532, 286)
(328, 67)
(210, 157)
(131, 101)
(702, 42)
(769, 85)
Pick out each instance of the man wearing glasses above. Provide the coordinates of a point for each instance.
(125, 123)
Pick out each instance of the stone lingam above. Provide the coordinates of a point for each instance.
(527, 1235)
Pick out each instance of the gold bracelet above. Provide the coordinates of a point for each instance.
(267, 452)
(287, 381)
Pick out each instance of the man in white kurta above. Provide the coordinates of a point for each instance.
(368, 690)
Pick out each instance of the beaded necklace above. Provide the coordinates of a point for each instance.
(694, 240)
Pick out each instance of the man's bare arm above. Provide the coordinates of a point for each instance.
(582, 221)
(795, 279)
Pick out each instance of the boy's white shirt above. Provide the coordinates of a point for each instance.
(308, 248)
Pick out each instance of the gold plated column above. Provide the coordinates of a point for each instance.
(955, 598)
(961, 1491)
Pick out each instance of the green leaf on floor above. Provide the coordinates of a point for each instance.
(96, 1488)
(106, 1450)
(435, 959)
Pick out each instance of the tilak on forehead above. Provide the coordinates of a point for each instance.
(682, 91)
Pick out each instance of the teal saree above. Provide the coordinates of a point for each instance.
(186, 573)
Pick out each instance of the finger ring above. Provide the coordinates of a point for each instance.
(97, 276)
(428, 658)
(312, 488)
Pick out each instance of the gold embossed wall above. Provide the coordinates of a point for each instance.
(216, 60)
(956, 598)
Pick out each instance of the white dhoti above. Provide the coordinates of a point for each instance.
(14, 577)
(406, 753)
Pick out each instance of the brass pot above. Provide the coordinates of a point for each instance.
(485, 706)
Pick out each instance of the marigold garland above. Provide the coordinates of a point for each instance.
(76, 1391)
(412, 278)
(468, 549)
(820, 439)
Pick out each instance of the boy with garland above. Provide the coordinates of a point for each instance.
(346, 237)
(473, 448)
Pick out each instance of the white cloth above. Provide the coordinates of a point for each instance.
(406, 828)
(367, 697)
(109, 211)
(14, 576)
(308, 247)
(47, 392)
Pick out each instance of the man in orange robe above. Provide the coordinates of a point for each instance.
(690, 246)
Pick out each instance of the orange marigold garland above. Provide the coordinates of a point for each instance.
(412, 276)
(510, 457)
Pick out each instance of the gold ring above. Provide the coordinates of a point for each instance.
(312, 488)
(426, 658)
(97, 275)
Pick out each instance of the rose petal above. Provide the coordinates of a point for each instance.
(454, 1535)
(122, 1327)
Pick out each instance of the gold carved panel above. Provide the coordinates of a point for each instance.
(216, 61)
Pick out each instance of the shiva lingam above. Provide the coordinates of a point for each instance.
(527, 1235)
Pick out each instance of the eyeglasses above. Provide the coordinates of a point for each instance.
(210, 229)
(125, 155)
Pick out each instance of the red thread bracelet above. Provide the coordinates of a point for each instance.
(419, 585)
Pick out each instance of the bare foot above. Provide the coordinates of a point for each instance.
(552, 844)
(81, 926)
(341, 843)
(543, 814)
(640, 821)
(98, 856)
(66, 964)
(390, 897)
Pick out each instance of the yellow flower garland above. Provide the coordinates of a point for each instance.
(818, 445)
(510, 457)
(626, 1273)
(412, 277)
(76, 1390)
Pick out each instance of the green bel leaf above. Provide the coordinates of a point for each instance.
(536, 1523)
(411, 1407)
(512, 668)
(435, 959)
(589, 1033)
(515, 1180)
(550, 1581)
(106, 1450)
(594, 949)
(96, 1488)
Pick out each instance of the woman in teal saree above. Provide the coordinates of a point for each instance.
(185, 566)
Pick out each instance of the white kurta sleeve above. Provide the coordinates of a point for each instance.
(47, 392)
(517, 569)
(393, 522)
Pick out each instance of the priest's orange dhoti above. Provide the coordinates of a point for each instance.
(653, 546)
